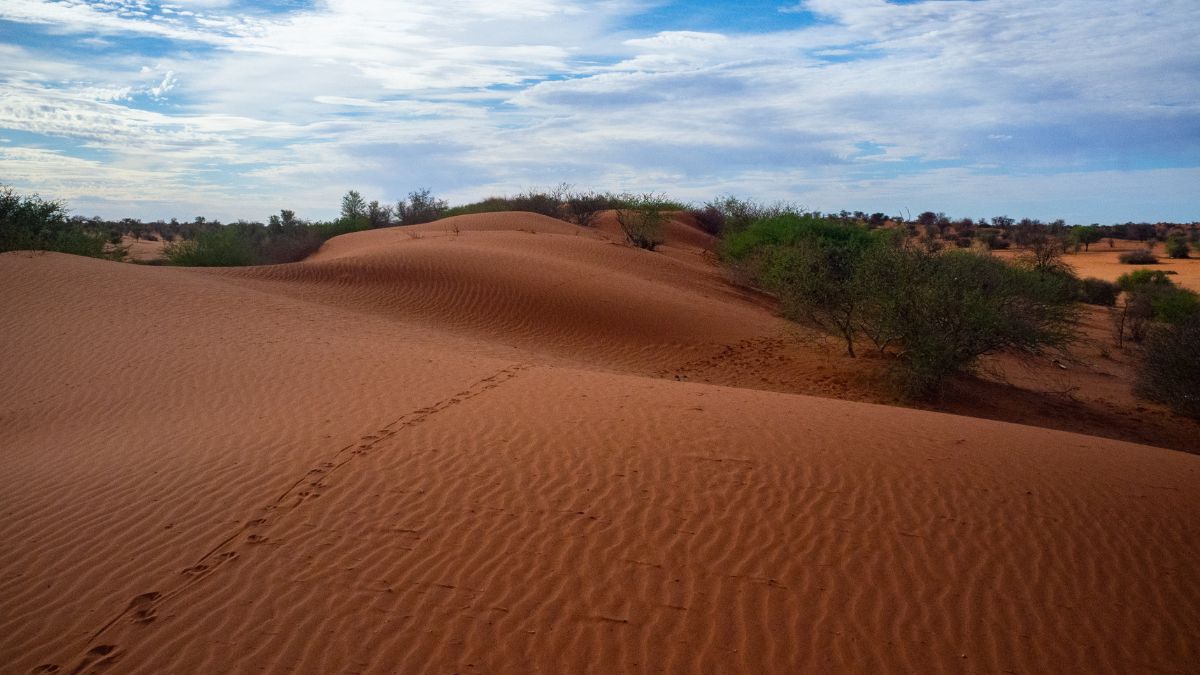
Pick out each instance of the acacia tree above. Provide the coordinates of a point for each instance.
(1086, 235)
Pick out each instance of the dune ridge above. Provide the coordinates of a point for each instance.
(456, 452)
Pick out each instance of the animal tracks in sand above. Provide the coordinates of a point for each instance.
(144, 608)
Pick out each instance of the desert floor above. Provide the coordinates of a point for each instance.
(503, 443)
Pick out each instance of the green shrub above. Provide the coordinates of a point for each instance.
(1151, 296)
(1098, 292)
(32, 223)
(936, 313)
(1177, 246)
(1174, 304)
(1141, 256)
(1131, 281)
(421, 207)
(1169, 369)
(791, 229)
(813, 264)
(227, 246)
(948, 310)
(642, 219)
(731, 214)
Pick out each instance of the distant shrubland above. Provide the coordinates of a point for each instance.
(28, 222)
(924, 293)
(933, 314)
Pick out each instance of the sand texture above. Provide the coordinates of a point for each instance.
(501, 444)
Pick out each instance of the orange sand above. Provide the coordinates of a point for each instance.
(1100, 261)
(463, 448)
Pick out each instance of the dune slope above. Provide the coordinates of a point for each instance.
(442, 454)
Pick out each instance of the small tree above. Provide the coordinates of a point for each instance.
(1087, 235)
(1044, 251)
(642, 218)
(354, 211)
(814, 265)
(379, 216)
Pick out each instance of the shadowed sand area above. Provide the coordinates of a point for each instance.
(459, 448)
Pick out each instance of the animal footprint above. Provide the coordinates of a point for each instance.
(142, 607)
(195, 570)
(100, 655)
(44, 668)
(256, 539)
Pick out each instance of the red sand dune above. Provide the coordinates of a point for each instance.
(451, 449)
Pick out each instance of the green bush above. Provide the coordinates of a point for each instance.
(1174, 304)
(1141, 256)
(1151, 296)
(813, 264)
(1131, 281)
(1177, 246)
(948, 310)
(729, 214)
(228, 246)
(421, 207)
(1098, 292)
(936, 313)
(642, 218)
(1169, 369)
(30, 223)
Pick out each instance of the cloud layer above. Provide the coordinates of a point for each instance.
(1072, 109)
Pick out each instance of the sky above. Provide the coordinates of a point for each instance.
(1087, 110)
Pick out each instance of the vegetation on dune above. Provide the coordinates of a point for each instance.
(1150, 296)
(926, 293)
(1162, 320)
(642, 219)
(729, 214)
(1169, 370)
(32, 223)
(420, 207)
(934, 313)
(564, 203)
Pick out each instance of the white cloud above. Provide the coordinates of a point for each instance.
(472, 95)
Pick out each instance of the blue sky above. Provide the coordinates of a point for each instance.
(1078, 109)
